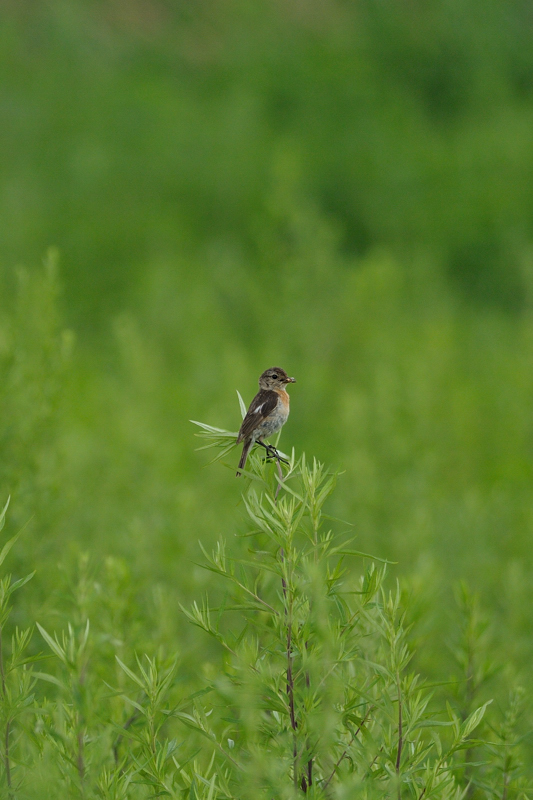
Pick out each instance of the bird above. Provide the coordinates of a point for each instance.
(267, 413)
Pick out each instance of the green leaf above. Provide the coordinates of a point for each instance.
(287, 488)
(474, 719)
(241, 404)
(3, 513)
(364, 555)
(44, 676)
(21, 581)
(245, 472)
(135, 678)
(53, 644)
(134, 703)
(7, 547)
(192, 792)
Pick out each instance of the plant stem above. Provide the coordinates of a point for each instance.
(7, 733)
(345, 753)
(307, 780)
(369, 769)
(290, 677)
(400, 736)
(290, 694)
(80, 762)
(506, 780)
(470, 693)
(7, 762)
(280, 474)
(133, 718)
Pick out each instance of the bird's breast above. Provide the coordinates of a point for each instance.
(284, 397)
(276, 419)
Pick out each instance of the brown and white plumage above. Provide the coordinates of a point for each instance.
(268, 411)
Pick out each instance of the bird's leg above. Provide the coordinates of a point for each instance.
(268, 448)
(271, 451)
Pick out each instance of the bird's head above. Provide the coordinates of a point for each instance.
(274, 378)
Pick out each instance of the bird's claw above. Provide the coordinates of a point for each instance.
(273, 453)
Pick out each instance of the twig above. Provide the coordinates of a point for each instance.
(290, 678)
(290, 687)
(345, 753)
(347, 625)
(129, 722)
(367, 773)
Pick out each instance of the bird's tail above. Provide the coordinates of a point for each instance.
(244, 455)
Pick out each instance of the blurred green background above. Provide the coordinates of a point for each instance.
(341, 188)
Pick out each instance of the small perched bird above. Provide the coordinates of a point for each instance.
(268, 412)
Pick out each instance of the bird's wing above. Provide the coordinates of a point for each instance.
(261, 406)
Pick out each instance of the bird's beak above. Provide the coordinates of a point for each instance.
(291, 380)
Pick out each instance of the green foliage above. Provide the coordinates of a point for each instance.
(160, 131)
(314, 693)
(130, 700)
(343, 189)
(316, 696)
(33, 357)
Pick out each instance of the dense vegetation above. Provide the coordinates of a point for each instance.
(343, 189)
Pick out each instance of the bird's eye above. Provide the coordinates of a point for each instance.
(274, 376)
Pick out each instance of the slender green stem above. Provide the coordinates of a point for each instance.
(290, 677)
(307, 780)
(116, 744)
(345, 752)
(80, 761)
(400, 736)
(506, 781)
(7, 731)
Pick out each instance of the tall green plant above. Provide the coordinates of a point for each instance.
(17, 681)
(316, 696)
